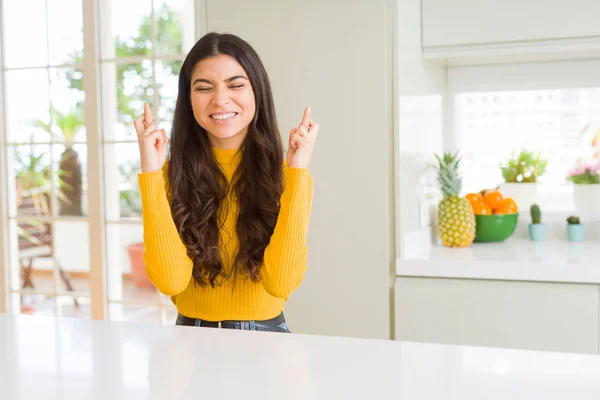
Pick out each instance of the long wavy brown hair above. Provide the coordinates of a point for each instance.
(199, 188)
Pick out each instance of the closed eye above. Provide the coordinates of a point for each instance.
(205, 89)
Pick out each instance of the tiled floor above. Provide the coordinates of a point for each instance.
(44, 305)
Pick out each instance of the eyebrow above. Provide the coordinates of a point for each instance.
(233, 78)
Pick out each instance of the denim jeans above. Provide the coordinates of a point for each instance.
(276, 324)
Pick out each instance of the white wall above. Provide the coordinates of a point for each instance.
(421, 113)
(333, 56)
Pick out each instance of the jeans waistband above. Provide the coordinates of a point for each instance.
(270, 324)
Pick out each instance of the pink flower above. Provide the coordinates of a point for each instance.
(578, 169)
(594, 168)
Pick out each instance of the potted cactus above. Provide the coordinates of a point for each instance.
(537, 230)
(575, 229)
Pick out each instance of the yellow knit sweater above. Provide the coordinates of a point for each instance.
(285, 259)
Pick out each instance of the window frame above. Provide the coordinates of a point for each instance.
(94, 107)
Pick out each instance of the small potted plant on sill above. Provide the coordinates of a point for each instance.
(537, 230)
(521, 173)
(586, 185)
(575, 229)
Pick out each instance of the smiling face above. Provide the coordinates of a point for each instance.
(222, 100)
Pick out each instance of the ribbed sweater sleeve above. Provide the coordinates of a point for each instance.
(167, 263)
(285, 259)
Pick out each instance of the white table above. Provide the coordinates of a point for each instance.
(47, 358)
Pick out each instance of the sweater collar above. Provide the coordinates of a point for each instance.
(227, 156)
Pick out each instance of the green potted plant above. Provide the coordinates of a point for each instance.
(33, 178)
(537, 230)
(69, 173)
(575, 229)
(521, 173)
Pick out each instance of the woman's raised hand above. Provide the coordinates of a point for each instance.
(152, 142)
(302, 142)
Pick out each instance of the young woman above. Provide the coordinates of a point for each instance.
(226, 217)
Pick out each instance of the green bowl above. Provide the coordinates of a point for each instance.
(495, 227)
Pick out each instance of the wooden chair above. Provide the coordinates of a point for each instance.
(36, 239)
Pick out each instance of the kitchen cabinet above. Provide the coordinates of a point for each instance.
(549, 316)
(486, 22)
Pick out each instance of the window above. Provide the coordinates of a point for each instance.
(142, 46)
(46, 149)
(557, 123)
(146, 44)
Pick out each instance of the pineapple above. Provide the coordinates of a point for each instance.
(456, 220)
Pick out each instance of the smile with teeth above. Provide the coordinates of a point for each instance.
(223, 116)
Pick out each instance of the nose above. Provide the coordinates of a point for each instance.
(221, 97)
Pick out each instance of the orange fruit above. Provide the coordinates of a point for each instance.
(474, 198)
(484, 191)
(481, 208)
(494, 199)
(510, 204)
(504, 210)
